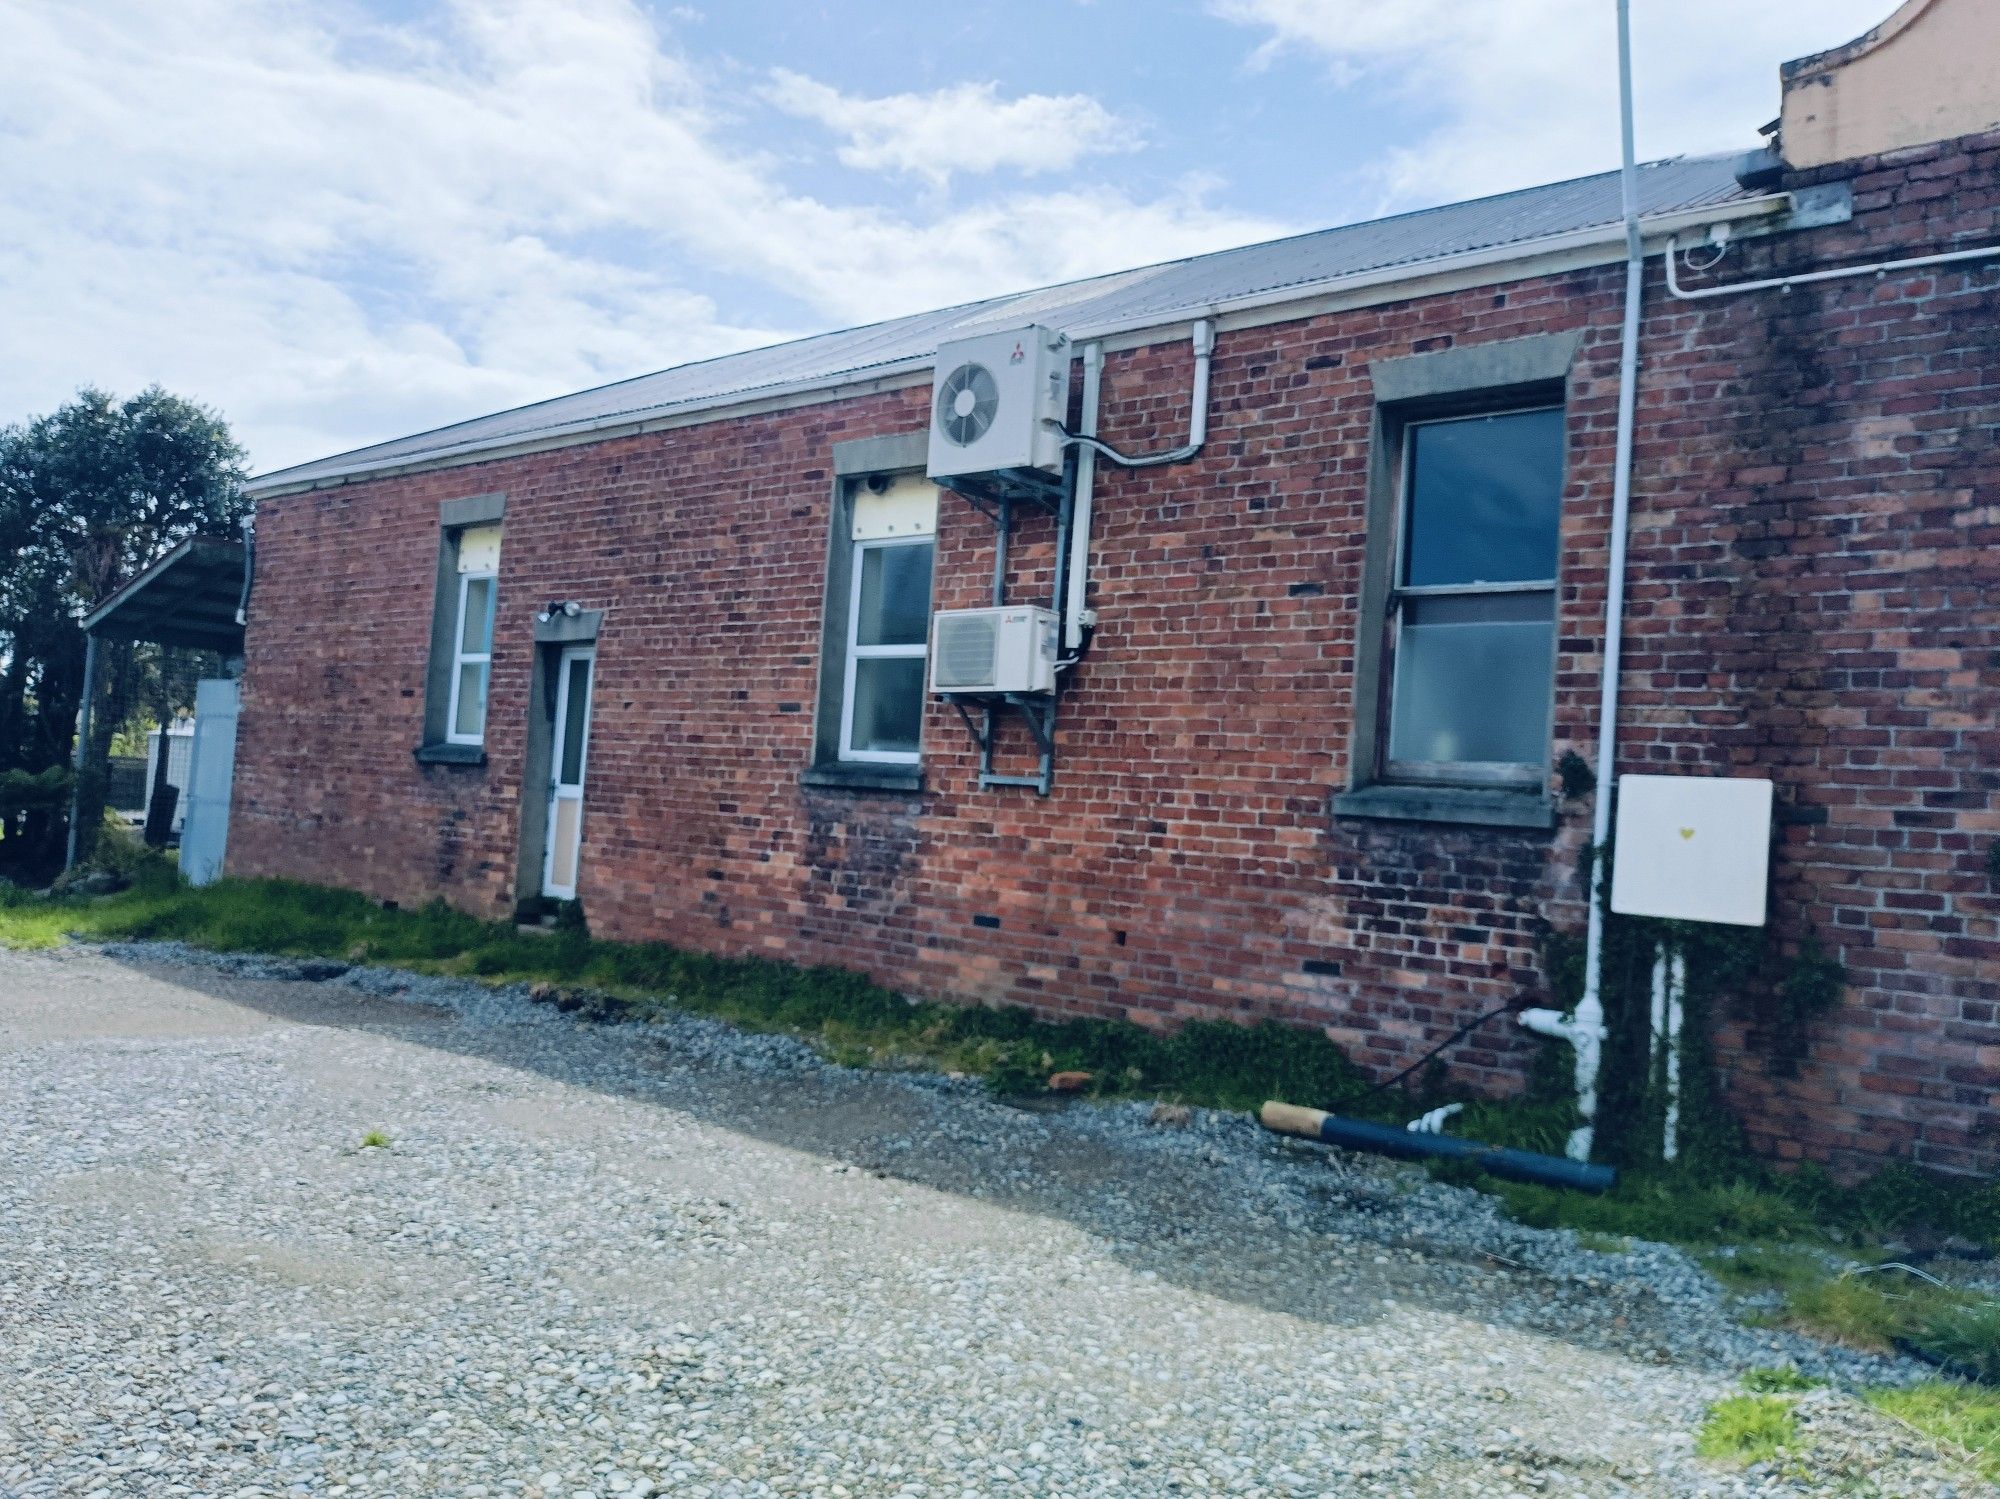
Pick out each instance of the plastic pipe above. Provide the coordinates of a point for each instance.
(1786, 283)
(1676, 987)
(1086, 477)
(1585, 1028)
(1384, 1139)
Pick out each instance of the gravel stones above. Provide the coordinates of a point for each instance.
(672, 1258)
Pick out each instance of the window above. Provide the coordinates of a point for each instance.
(1471, 633)
(472, 634)
(892, 529)
(458, 674)
(888, 630)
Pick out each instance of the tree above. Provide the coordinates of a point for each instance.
(89, 494)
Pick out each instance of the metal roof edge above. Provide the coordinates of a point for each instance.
(1390, 283)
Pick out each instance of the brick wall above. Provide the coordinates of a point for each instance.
(1814, 567)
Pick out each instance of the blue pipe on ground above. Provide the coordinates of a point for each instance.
(1384, 1139)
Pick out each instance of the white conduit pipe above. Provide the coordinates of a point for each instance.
(1075, 617)
(1670, 1139)
(1079, 520)
(1584, 1029)
(1786, 283)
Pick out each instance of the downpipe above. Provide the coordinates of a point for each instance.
(1584, 1029)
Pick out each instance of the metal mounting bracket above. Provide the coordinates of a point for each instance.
(1037, 711)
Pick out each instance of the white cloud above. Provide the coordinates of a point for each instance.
(339, 231)
(965, 128)
(1526, 91)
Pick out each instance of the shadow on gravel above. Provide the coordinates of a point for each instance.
(1216, 1206)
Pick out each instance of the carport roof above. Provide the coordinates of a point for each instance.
(188, 597)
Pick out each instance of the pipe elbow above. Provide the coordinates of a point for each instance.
(1546, 1023)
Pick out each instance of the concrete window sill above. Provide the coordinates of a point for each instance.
(450, 754)
(843, 776)
(1481, 806)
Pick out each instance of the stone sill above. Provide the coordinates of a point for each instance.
(450, 754)
(847, 776)
(1483, 806)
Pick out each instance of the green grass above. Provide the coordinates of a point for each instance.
(1747, 1429)
(1215, 1063)
(1962, 1416)
(374, 1140)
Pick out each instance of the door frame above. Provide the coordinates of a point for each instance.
(558, 728)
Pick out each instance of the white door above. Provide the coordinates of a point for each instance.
(211, 770)
(567, 757)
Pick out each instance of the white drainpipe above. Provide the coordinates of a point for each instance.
(1669, 985)
(1086, 478)
(1584, 1029)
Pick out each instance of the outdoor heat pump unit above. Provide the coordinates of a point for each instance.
(994, 652)
(997, 404)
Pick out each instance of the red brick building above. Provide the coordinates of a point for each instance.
(1273, 793)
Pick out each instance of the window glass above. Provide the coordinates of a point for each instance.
(576, 717)
(1484, 496)
(469, 711)
(894, 604)
(476, 627)
(1472, 679)
(888, 704)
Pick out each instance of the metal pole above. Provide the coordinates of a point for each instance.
(84, 714)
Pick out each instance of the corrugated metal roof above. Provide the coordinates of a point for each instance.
(1154, 294)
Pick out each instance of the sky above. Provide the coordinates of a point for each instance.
(340, 221)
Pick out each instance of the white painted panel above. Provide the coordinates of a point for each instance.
(479, 549)
(908, 507)
(1693, 848)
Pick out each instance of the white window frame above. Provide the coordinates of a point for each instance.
(1459, 772)
(856, 652)
(462, 658)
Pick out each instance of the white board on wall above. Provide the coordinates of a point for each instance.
(1693, 848)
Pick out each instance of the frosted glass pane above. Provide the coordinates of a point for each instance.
(475, 628)
(1472, 680)
(895, 604)
(576, 720)
(470, 718)
(888, 704)
(1485, 493)
(562, 864)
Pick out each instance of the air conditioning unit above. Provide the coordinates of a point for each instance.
(994, 651)
(993, 401)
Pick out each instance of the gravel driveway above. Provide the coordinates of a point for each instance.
(621, 1260)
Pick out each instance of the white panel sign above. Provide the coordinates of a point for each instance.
(479, 549)
(1693, 848)
(908, 507)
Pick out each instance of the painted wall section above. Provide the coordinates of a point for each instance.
(1930, 72)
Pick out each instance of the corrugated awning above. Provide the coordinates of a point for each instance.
(186, 598)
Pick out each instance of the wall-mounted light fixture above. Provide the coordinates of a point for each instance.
(567, 608)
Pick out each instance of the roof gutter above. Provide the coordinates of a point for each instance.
(1518, 257)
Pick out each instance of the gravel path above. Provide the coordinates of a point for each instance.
(673, 1259)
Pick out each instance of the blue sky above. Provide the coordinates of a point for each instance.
(338, 221)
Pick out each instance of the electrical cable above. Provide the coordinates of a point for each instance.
(1452, 1040)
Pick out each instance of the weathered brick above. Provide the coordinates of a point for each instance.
(1813, 597)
